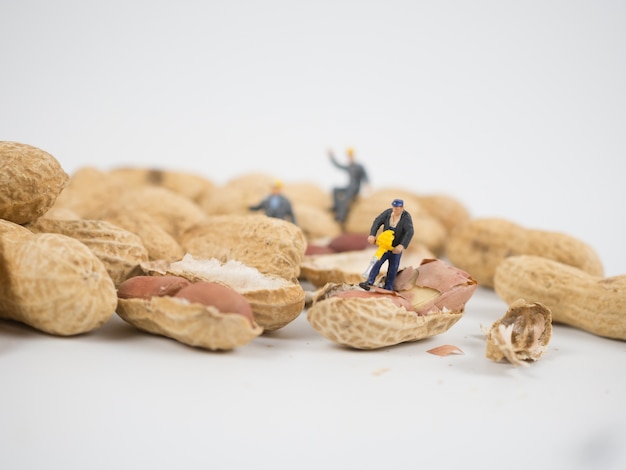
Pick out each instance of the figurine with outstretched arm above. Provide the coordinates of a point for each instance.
(397, 220)
(343, 197)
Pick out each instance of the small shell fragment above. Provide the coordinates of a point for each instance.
(445, 350)
(522, 335)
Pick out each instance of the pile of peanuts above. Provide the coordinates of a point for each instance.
(77, 249)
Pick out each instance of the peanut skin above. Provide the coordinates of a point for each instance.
(591, 303)
(223, 298)
(146, 287)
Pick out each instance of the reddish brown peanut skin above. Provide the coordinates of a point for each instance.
(146, 287)
(223, 298)
(349, 242)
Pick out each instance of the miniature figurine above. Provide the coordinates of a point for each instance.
(276, 204)
(344, 197)
(400, 222)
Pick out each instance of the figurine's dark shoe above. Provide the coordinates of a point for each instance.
(364, 285)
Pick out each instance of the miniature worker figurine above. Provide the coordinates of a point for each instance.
(276, 204)
(344, 197)
(397, 219)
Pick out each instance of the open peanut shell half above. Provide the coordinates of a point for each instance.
(275, 301)
(193, 324)
(522, 335)
(428, 301)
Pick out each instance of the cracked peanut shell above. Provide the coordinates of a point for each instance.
(431, 301)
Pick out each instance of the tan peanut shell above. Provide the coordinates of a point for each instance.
(275, 301)
(429, 300)
(448, 210)
(30, 182)
(159, 244)
(316, 222)
(372, 323)
(239, 193)
(193, 324)
(191, 185)
(172, 211)
(308, 193)
(273, 246)
(53, 283)
(479, 245)
(121, 251)
(590, 303)
(521, 335)
(89, 192)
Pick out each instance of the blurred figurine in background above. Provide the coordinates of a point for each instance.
(276, 204)
(400, 222)
(344, 197)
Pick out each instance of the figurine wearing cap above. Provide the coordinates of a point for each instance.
(400, 222)
(344, 197)
(276, 204)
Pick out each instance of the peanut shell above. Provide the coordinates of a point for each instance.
(590, 303)
(30, 182)
(478, 246)
(121, 251)
(193, 324)
(275, 301)
(521, 335)
(53, 283)
(273, 246)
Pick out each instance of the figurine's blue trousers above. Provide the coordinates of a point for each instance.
(392, 268)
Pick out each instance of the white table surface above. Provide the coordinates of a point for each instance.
(293, 399)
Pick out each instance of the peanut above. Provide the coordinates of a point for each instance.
(576, 298)
(203, 314)
(275, 301)
(478, 246)
(193, 186)
(191, 323)
(120, 250)
(53, 283)
(349, 242)
(223, 298)
(30, 182)
(159, 244)
(89, 191)
(273, 246)
(146, 287)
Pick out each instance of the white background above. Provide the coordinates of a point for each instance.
(516, 108)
